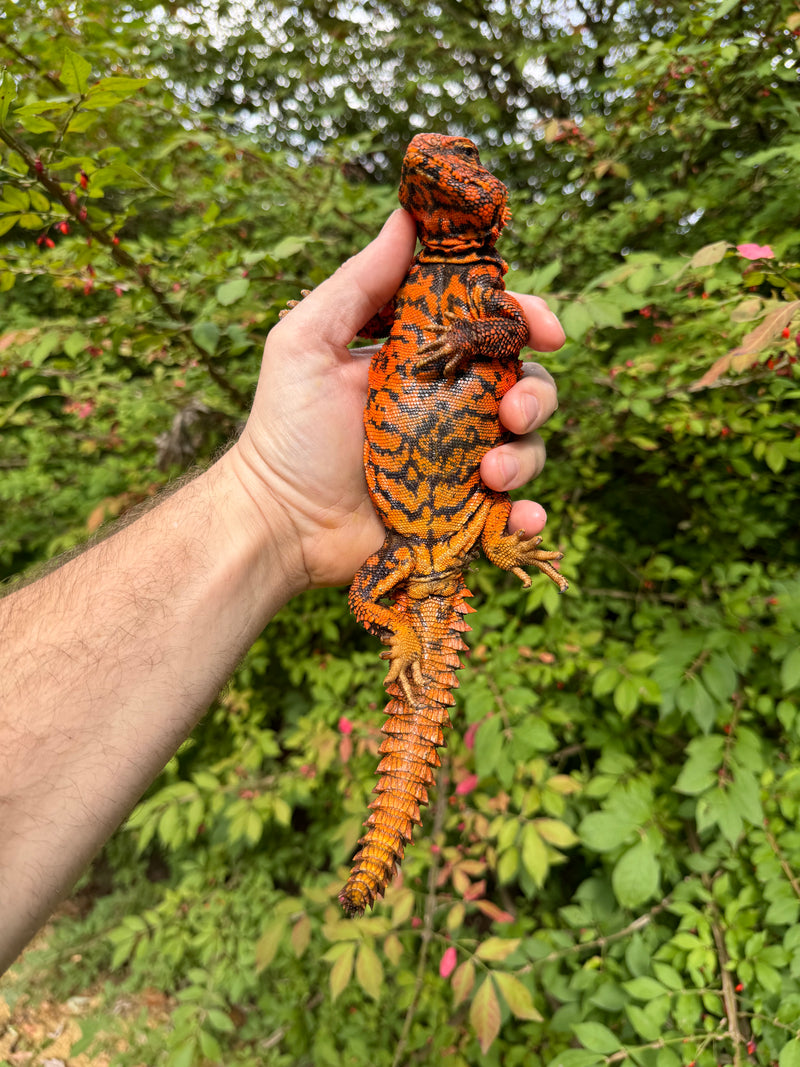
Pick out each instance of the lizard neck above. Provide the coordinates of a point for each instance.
(437, 254)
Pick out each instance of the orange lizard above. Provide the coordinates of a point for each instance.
(454, 340)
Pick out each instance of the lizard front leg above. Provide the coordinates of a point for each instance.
(513, 551)
(493, 326)
(382, 573)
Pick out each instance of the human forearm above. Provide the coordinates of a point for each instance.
(105, 667)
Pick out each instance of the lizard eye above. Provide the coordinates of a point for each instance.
(467, 151)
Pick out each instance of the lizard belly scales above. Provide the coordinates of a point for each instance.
(452, 352)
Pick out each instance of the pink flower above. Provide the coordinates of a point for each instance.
(466, 785)
(755, 251)
(448, 962)
(345, 726)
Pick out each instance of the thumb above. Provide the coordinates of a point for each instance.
(343, 303)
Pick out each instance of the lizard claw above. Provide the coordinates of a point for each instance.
(292, 304)
(446, 344)
(405, 668)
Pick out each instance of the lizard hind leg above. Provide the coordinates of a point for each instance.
(379, 577)
(514, 551)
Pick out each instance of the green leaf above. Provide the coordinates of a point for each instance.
(516, 995)
(8, 93)
(575, 1057)
(75, 72)
(699, 772)
(8, 223)
(790, 671)
(635, 877)
(555, 832)
(497, 949)
(369, 971)
(596, 1037)
(603, 831)
(289, 247)
(30, 221)
(76, 342)
(789, 1055)
(206, 336)
(710, 254)
(643, 1023)
(267, 945)
(534, 855)
(342, 970)
(230, 292)
(484, 1014)
(626, 697)
(644, 988)
(462, 981)
(17, 199)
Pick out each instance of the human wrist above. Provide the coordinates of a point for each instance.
(259, 522)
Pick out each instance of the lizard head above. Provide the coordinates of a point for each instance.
(457, 204)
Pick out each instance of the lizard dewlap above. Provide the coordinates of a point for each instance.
(452, 351)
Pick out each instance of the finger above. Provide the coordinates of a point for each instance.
(531, 402)
(527, 515)
(339, 307)
(545, 333)
(514, 464)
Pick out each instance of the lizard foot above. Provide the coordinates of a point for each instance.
(405, 653)
(292, 304)
(448, 344)
(514, 551)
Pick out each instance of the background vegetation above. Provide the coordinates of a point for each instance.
(611, 867)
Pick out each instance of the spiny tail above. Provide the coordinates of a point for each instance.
(414, 732)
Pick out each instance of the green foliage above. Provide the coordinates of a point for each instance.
(612, 867)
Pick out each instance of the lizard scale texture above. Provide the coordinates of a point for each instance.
(452, 351)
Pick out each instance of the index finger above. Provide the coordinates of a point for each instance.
(545, 333)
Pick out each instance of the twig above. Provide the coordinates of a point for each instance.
(728, 990)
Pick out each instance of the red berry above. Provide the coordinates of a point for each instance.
(725, 431)
(63, 226)
(49, 242)
(739, 988)
(786, 332)
(82, 214)
(751, 1047)
(115, 240)
(38, 166)
(84, 179)
(3, 372)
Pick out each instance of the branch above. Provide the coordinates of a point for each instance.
(40, 174)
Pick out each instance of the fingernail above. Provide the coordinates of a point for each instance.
(531, 409)
(509, 469)
(556, 325)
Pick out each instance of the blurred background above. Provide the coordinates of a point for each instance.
(610, 868)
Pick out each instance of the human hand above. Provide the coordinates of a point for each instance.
(300, 455)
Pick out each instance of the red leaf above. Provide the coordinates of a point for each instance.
(447, 963)
(740, 357)
(495, 913)
(466, 785)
